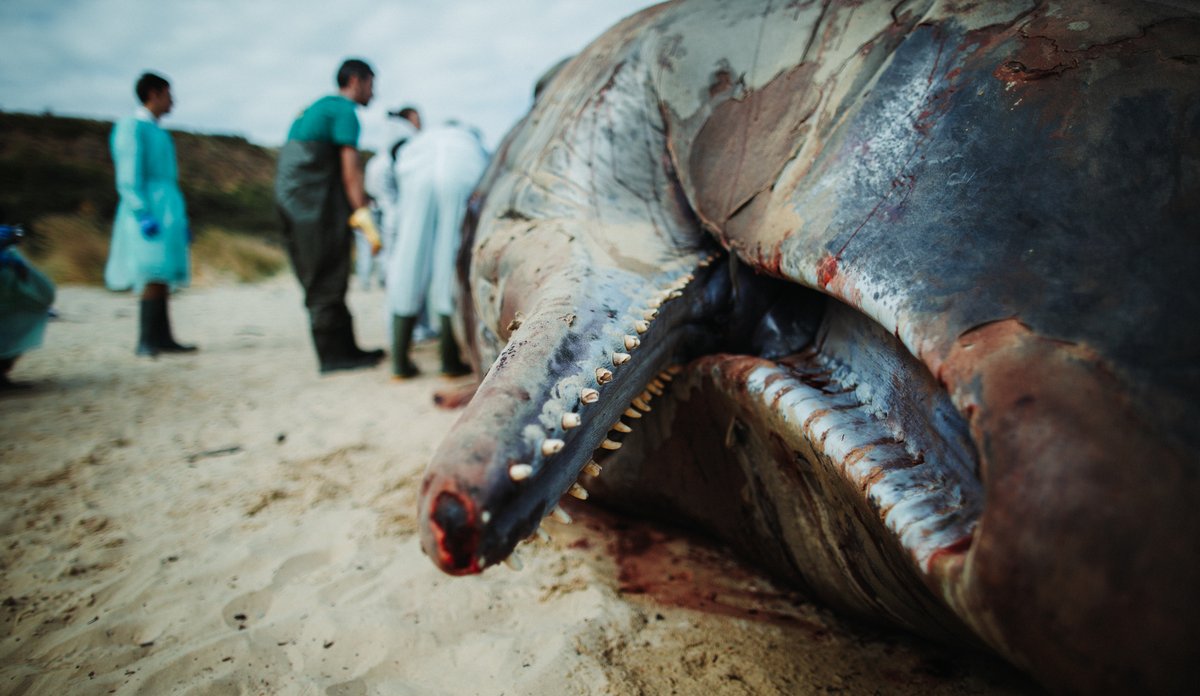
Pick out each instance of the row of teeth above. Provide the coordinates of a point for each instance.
(638, 406)
(520, 472)
(604, 375)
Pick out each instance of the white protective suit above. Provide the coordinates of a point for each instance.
(436, 172)
(379, 181)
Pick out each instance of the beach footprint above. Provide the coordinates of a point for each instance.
(247, 608)
(250, 607)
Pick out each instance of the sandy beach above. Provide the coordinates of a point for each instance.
(230, 522)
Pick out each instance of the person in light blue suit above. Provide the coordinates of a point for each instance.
(436, 175)
(151, 237)
(25, 298)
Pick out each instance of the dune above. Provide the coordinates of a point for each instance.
(231, 522)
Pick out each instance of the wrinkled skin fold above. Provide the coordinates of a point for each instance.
(897, 298)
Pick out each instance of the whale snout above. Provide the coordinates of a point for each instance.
(451, 533)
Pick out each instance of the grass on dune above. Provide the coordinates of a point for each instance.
(72, 250)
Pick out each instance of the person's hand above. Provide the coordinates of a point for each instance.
(149, 226)
(362, 221)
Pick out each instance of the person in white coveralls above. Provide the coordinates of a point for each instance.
(436, 174)
(379, 181)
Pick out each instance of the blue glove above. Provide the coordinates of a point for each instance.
(149, 226)
(10, 235)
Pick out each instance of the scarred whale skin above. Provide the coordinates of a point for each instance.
(921, 276)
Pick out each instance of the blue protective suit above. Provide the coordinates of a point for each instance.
(25, 298)
(436, 173)
(148, 184)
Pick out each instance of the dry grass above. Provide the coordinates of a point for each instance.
(72, 250)
(222, 255)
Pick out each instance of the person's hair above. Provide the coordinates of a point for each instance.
(408, 111)
(353, 67)
(148, 84)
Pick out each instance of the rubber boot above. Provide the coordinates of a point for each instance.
(147, 328)
(351, 349)
(164, 341)
(452, 365)
(333, 352)
(402, 333)
(7, 384)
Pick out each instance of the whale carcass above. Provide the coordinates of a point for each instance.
(898, 298)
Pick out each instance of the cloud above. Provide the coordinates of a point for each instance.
(248, 67)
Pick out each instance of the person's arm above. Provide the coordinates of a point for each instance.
(352, 177)
(127, 161)
(127, 150)
(352, 181)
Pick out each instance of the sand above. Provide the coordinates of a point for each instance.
(230, 522)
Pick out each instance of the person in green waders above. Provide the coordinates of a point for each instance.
(151, 238)
(319, 194)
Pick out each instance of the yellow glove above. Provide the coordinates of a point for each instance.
(362, 221)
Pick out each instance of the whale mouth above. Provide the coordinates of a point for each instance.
(792, 381)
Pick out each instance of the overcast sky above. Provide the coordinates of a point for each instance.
(247, 67)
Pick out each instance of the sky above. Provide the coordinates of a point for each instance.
(247, 67)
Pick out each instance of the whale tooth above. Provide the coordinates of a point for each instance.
(520, 472)
(655, 390)
(649, 314)
(641, 326)
(485, 516)
(588, 395)
(621, 358)
(646, 396)
(561, 515)
(514, 561)
(674, 369)
(570, 420)
(675, 295)
(578, 491)
(655, 302)
(610, 445)
(641, 405)
(603, 375)
(592, 469)
(633, 413)
(551, 446)
(665, 376)
(632, 342)
(542, 534)
(621, 427)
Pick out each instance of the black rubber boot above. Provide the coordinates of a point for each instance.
(147, 329)
(7, 384)
(333, 352)
(402, 332)
(350, 346)
(164, 341)
(452, 365)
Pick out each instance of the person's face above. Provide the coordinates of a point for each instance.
(415, 119)
(363, 89)
(160, 102)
